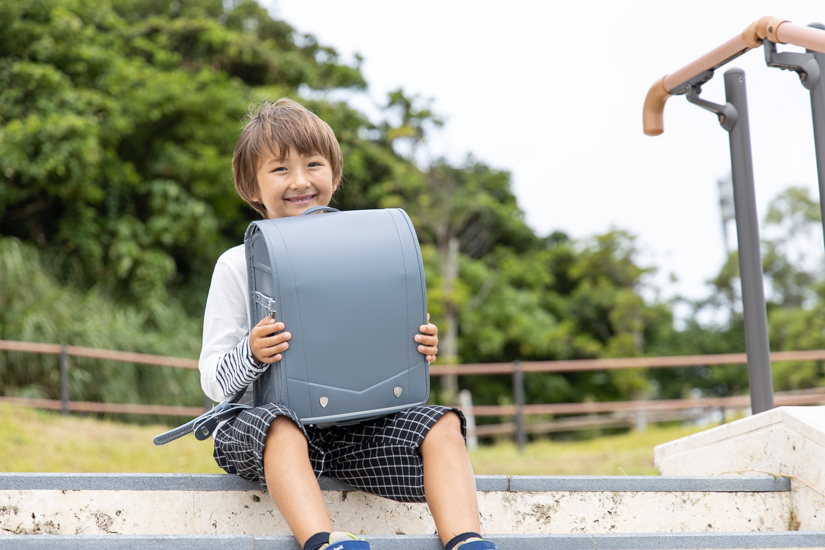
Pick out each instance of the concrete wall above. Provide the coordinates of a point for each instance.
(786, 440)
(201, 505)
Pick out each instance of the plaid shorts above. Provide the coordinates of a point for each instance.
(378, 456)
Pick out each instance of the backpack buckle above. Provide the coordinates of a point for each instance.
(266, 302)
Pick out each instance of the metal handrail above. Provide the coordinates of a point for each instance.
(767, 28)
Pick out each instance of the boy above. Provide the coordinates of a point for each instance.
(286, 161)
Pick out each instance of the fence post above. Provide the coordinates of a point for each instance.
(518, 394)
(641, 420)
(465, 399)
(64, 378)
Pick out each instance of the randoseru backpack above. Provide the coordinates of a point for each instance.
(349, 287)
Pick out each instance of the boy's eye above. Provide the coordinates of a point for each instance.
(279, 169)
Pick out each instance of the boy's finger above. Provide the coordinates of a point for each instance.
(266, 332)
(431, 358)
(272, 350)
(428, 350)
(263, 328)
(429, 329)
(277, 338)
(426, 340)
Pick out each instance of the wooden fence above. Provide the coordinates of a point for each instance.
(580, 415)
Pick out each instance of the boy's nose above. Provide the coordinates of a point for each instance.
(300, 180)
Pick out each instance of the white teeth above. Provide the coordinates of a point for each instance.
(300, 201)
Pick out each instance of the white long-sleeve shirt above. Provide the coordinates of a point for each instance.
(226, 363)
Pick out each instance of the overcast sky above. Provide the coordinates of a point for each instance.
(553, 92)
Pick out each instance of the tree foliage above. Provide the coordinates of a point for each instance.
(792, 259)
(36, 307)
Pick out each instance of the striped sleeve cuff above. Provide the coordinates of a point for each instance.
(237, 369)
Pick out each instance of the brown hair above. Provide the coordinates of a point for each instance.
(274, 129)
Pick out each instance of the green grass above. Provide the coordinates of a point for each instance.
(37, 441)
(630, 453)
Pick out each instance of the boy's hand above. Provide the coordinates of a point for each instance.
(428, 340)
(267, 347)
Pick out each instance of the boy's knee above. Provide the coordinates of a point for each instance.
(283, 431)
(450, 420)
(446, 429)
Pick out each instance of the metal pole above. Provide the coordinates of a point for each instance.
(750, 255)
(518, 394)
(809, 67)
(818, 115)
(64, 378)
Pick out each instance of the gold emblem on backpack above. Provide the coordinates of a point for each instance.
(397, 391)
(324, 401)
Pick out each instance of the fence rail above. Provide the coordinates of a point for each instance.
(738, 401)
(581, 415)
(574, 423)
(580, 365)
(112, 355)
(572, 365)
(115, 408)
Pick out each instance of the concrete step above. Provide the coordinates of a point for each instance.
(786, 540)
(184, 504)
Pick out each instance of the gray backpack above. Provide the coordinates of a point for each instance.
(349, 287)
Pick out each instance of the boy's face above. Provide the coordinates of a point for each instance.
(290, 186)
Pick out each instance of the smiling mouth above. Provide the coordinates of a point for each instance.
(303, 199)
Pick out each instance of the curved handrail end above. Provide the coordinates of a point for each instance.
(653, 113)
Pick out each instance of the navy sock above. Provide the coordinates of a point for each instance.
(316, 541)
(455, 541)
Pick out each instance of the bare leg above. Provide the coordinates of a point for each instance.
(291, 480)
(449, 484)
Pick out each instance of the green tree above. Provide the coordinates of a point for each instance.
(458, 211)
(561, 300)
(792, 262)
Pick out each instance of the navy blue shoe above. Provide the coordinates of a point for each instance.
(476, 544)
(346, 541)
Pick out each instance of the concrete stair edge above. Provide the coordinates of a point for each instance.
(227, 482)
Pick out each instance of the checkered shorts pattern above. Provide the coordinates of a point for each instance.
(378, 456)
